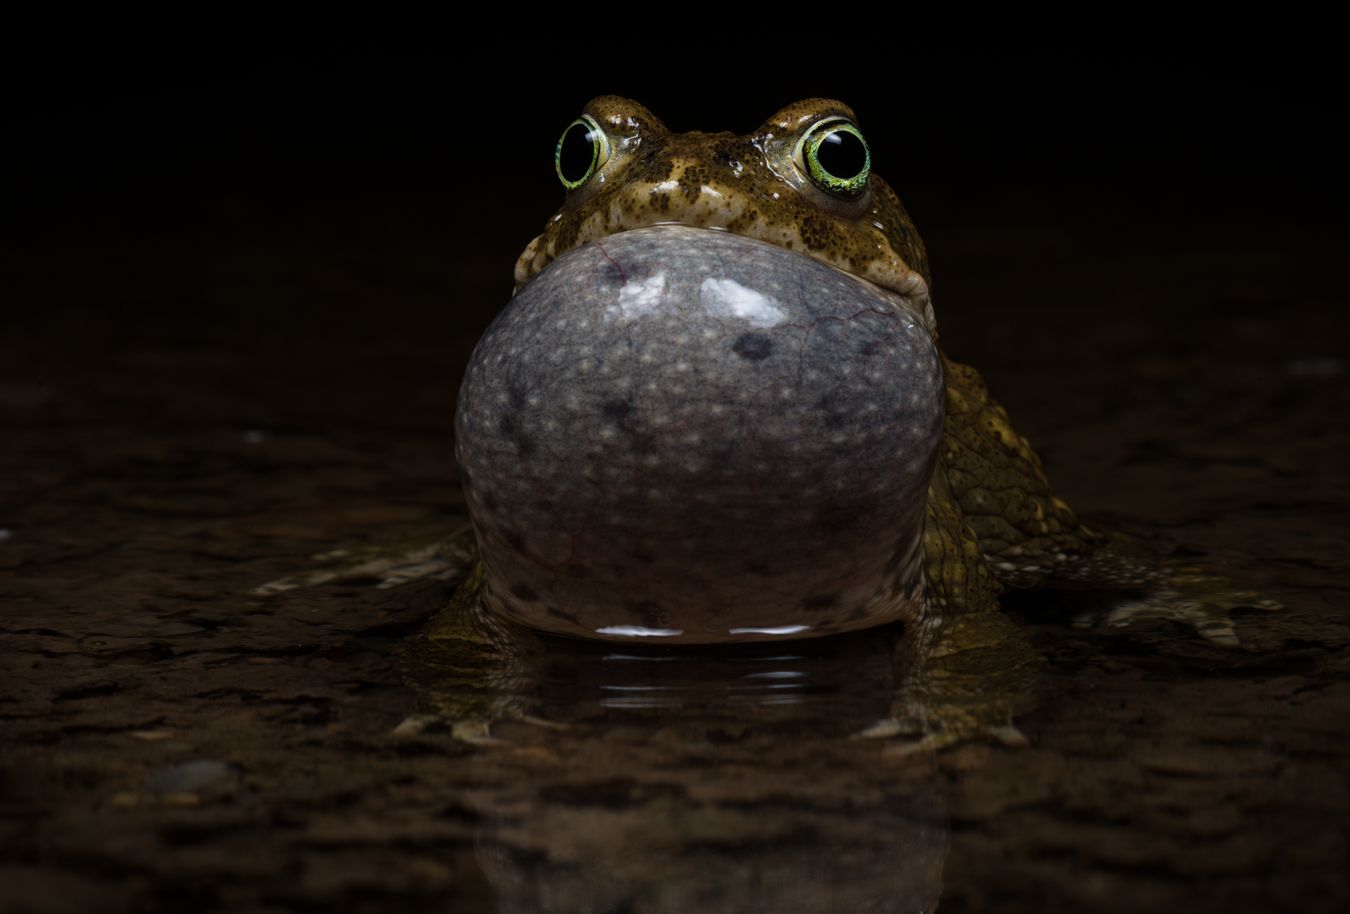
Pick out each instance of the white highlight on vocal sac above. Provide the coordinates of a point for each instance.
(776, 630)
(637, 298)
(728, 298)
(637, 631)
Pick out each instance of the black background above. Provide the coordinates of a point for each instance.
(209, 135)
(273, 197)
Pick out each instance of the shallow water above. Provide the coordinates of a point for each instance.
(188, 420)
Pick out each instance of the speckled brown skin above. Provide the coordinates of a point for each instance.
(743, 184)
(997, 492)
(989, 501)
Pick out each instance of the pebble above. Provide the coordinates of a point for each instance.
(187, 777)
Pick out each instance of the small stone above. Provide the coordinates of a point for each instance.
(151, 736)
(414, 725)
(187, 777)
(1008, 735)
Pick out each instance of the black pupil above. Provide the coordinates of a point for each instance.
(842, 154)
(577, 153)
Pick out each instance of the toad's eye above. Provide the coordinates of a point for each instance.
(835, 156)
(582, 149)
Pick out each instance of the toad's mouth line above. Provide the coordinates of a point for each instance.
(906, 287)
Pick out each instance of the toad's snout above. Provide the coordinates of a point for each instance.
(688, 435)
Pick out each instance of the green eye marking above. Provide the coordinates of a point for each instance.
(836, 157)
(582, 149)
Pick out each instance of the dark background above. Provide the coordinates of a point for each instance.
(222, 138)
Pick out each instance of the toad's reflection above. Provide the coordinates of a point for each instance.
(934, 684)
(828, 687)
(664, 779)
(657, 827)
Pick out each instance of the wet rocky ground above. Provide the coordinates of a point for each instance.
(194, 408)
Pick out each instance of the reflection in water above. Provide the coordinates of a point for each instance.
(744, 835)
(831, 686)
(658, 777)
(655, 779)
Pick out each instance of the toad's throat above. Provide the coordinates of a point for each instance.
(693, 436)
(880, 266)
